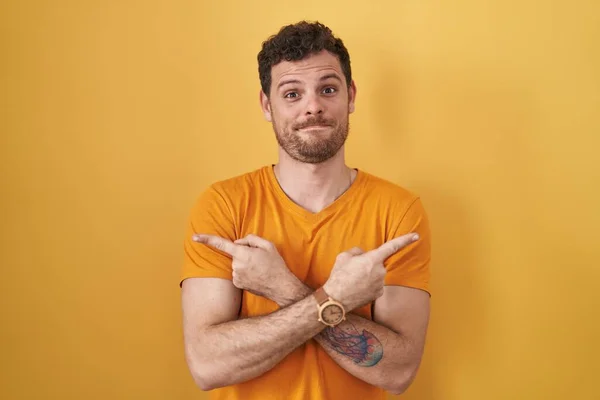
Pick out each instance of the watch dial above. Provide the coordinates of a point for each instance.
(332, 314)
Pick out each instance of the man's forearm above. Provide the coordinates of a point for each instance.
(240, 350)
(371, 352)
(366, 349)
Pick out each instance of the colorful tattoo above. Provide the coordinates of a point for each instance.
(363, 348)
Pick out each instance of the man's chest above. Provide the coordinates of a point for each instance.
(309, 246)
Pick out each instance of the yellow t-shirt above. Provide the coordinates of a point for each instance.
(371, 212)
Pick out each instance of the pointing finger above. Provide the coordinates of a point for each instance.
(391, 247)
(217, 242)
(255, 241)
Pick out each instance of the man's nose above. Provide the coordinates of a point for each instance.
(314, 106)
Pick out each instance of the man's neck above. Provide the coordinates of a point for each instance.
(314, 186)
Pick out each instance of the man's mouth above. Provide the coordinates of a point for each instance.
(314, 126)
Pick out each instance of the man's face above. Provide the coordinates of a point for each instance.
(308, 105)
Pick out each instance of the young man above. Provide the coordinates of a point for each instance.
(306, 279)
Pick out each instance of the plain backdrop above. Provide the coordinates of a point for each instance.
(115, 115)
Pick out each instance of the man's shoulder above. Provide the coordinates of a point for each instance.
(240, 183)
(384, 188)
(390, 199)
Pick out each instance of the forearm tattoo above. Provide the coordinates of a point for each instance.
(363, 348)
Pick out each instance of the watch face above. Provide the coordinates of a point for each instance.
(332, 314)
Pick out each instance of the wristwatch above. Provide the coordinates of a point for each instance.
(331, 312)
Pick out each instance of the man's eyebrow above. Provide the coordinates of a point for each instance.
(323, 78)
(286, 82)
(332, 75)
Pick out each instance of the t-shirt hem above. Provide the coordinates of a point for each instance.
(424, 286)
(213, 274)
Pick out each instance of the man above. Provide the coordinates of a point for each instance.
(306, 279)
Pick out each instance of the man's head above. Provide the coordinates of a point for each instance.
(307, 90)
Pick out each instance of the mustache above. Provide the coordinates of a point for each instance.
(313, 121)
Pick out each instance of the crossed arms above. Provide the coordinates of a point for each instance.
(222, 350)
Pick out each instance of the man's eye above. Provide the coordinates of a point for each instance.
(329, 90)
(291, 95)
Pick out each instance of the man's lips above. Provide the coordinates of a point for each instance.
(317, 126)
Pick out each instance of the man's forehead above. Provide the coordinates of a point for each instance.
(318, 64)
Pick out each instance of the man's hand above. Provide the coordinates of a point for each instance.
(357, 277)
(257, 266)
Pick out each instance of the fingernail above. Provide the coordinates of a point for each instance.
(415, 237)
(196, 238)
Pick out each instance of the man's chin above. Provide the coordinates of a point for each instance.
(313, 157)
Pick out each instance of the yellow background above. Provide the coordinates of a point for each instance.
(116, 114)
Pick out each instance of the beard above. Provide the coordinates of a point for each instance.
(312, 148)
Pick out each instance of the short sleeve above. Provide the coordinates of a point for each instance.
(210, 215)
(410, 266)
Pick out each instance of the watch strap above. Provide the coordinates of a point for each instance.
(321, 296)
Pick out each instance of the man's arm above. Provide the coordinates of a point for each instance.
(385, 353)
(222, 351)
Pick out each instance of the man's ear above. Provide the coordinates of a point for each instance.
(265, 105)
(351, 97)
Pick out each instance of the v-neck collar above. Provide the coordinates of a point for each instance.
(338, 203)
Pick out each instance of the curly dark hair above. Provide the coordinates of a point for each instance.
(297, 41)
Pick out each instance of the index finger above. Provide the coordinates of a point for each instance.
(393, 246)
(217, 242)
